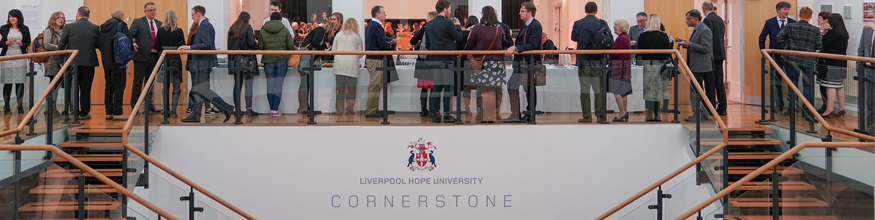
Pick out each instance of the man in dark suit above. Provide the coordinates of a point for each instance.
(801, 36)
(442, 34)
(528, 39)
(718, 29)
(375, 40)
(144, 30)
(699, 55)
(201, 65)
(771, 29)
(113, 71)
(589, 76)
(867, 106)
(82, 36)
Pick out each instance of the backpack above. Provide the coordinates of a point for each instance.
(603, 39)
(38, 46)
(122, 46)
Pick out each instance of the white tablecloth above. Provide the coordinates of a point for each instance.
(561, 94)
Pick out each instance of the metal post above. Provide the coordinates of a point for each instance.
(775, 96)
(809, 116)
(16, 172)
(531, 94)
(166, 95)
(775, 195)
(762, 91)
(50, 119)
(829, 200)
(81, 197)
(125, 170)
(238, 84)
(792, 98)
(67, 94)
(603, 96)
(31, 73)
(677, 110)
(459, 73)
(191, 204)
(697, 114)
(659, 205)
(386, 91)
(725, 169)
(862, 96)
(311, 107)
(74, 95)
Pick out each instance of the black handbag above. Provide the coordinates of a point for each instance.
(243, 64)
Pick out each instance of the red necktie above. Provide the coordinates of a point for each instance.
(152, 33)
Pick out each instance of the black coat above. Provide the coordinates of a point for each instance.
(25, 40)
(170, 40)
(245, 43)
(82, 36)
(528, 39)
(718, 30)
(142, 35)
(105, 39)
(442, 34)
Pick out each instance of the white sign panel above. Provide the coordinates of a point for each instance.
(420, 172)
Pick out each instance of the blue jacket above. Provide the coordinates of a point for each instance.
(204, 39)
(528, 39)
(582, 33)
(771, 30)
(375, 39)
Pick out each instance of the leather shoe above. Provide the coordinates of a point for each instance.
(86, 117)
(121, 117)
(192, 118)
(108, 117)
(373, 116)
(587, 119)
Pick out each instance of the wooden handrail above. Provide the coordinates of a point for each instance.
(662, 181)
(179, 177)
(94, 173)
(38, 102)
(823, 123)
(822, 55)
(770, 165)
(692, 79)
(139, 104)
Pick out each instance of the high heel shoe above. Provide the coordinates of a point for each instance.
(624, 118)
(6, 109)
(840, 113)
(831, 114)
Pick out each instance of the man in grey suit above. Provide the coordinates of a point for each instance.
(867, 106)
(699, 54)
(636, 31)
(82, 36)
(144, 31)
(202, 65)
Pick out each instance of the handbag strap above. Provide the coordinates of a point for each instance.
(492, 43)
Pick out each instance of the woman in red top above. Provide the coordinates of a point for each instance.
(621, 75)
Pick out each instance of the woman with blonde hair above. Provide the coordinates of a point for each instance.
(171, 36)
(655, 84)
(621, 75)
(51, 37)
(346, 67)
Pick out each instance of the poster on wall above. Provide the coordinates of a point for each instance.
(826, 7)
(869, 11)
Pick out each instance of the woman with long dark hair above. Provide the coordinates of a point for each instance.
(487, 36)
(835, 41)
(171, 36)
(14, 38)
(242, 37)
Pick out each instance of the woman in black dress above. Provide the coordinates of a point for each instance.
(835, 41)
(171, 36)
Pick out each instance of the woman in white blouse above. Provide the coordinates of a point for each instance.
(346, 67)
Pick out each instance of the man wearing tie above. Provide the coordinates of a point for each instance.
(771, 29)
(529, 38)
(144, 30)
(715, 23)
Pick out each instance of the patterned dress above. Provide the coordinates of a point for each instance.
(13, 71)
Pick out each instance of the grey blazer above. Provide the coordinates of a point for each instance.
(81, 35)
(699, 55)
(865, 49)
(141, 33)
(633, 35)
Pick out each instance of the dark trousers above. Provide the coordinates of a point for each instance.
(440, 93)
(115, 89)
(702, 78)
(719, 87)
(86, 77)
(777, 89)
(200, 87)
(142, 70)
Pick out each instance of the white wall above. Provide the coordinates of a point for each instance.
(277, 172)
(219, 14)
(854, 24)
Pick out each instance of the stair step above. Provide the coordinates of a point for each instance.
(72, 189)
(785, 185)
(96, 130)
(786, 217)
(755, 128)
(69, 206)
(784, 202)
(745, 170)
(92, 158)
(754, 155)
(70, 173)
(78, 219)
(744, 142)
(92, 143)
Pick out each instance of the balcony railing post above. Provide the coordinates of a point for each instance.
(829, 188)
(191, 208)
(775, 96)
(16, 173)
(459, 72)
(311, 90)
(125, 183)
(531, 99)
(30, 76)
(238, 84)
(677, 73)
(862, 85)
(776, 212)
(792, 99)
(67, 93)
(809, 116)
(166, 96)
(603, 94)
(50, 119)
(385, 69)
(659, 204)
(763, 75)
(74, 95)
(81, 195)
(697, 114)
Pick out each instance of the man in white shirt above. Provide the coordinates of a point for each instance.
(144, 31)
(277, 6)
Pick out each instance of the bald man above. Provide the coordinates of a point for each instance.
(113, 71)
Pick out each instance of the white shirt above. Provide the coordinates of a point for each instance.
(529, 22)
(286, 23)
(782, 22)
(378, 21)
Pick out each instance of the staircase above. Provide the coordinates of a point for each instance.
(751, 148)
(56, 195)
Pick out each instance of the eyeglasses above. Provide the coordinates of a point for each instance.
(152, 10)
(523, 11)
(62, 18)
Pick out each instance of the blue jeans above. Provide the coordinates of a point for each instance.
(435, 100)
(793, 74)
(276, 74)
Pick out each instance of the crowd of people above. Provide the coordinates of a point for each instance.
(441, 31)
